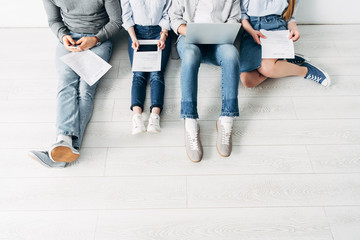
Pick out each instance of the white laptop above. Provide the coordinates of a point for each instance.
(212, 33)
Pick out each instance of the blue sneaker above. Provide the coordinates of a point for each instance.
(63, 152)
(43, 158)
(317, 75)
(298, 60)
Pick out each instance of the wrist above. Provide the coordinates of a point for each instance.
(164, 34)
(97, 41)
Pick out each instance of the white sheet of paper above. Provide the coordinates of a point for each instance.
(87, 65)
(277, 44)
(147, 61)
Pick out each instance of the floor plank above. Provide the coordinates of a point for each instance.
(273, 190)
(48, 225)
(173, 161)
(92, 193)
(214, 224)
(335, 159)
(344, 222)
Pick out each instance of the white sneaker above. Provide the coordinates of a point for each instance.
(224, 136)
(193, 144)
(154, 123)
(138, 124)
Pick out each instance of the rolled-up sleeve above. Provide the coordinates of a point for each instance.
(235, 14)
(244, 9)
(127, 15)
(176, 12)
(55, 21)
(113, 10)
(165, 19)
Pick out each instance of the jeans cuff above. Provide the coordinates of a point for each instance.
(156, 105)
(137, 105)
(230, 114)
(73, 135)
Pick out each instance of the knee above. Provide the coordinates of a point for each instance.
(267, 69)
(139, 78)
(87, 92)
(231, 56)
(191, 56)
(247, 81)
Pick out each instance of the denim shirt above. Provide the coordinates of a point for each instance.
(261, 8)
(145, 13)
(183, 11)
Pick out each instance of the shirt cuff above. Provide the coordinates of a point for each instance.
(128, 24)
(165, 24)
(176, 24)
(244, 16)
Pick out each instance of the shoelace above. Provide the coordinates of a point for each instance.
(225, 138)
(193, 140)
(315, 78)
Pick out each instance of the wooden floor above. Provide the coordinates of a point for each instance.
(294, 172)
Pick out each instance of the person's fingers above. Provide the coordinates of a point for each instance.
(261, 35)
(292, 33)
(80, 41)
(71, 40)
(133, 45)
(162, 47)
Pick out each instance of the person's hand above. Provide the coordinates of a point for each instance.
(294, 35)
(161, 44)
(70, 44)
(135, 44)
(256, 35)
(86, 43)
(182, 29)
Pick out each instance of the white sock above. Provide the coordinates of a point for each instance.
(65, 138)
(226, 120)
(191, 125)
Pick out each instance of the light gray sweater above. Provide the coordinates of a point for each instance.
(99, 17)
(183, 11)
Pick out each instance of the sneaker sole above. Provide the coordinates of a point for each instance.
(217, 132)
(193, 160)
(63, 154)
(34, 157)
(152, 130)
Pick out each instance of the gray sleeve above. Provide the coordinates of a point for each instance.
(235, 14)
(176, 12)
(56, 23)
(113, 9)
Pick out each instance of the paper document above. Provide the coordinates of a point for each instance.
(277, 44)
(148, 57)
(87, 65)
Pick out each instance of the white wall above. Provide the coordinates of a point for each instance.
(30, 13)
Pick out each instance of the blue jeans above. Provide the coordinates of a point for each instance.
(224, 55)
(75, 98)
(157, 82)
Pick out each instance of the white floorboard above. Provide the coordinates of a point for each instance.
(294, 172)
(214, 224)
